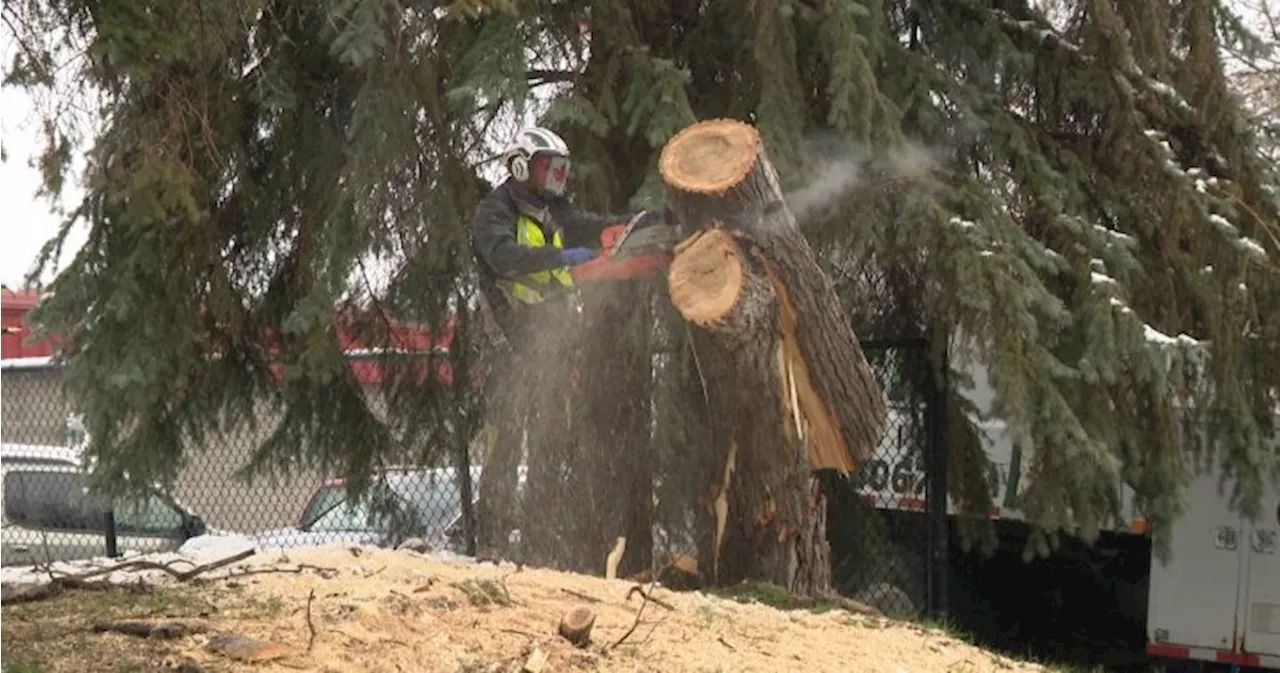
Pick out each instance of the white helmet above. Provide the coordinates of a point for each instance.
(529, 142)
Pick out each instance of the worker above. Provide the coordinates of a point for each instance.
(525, 235)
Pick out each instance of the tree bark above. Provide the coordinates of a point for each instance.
(791, 390)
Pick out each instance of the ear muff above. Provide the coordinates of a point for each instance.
(519, 168)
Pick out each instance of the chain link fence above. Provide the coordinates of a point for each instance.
(883, 534)
(604, 488)
(50, 514)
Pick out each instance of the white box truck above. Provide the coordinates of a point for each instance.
(1218, 597)
(1216, 600)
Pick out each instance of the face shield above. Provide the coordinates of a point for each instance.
(551, 173)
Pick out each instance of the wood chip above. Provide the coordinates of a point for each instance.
(536, 662)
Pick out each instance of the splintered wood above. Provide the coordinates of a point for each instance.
(614, 557)
(721, 504)
(812, 418)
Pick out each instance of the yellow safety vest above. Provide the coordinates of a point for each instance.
(529, 234)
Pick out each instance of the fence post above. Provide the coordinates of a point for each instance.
(939, 551)
(109, 532)
(463, 466)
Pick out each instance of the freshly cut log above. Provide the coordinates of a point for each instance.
(706, 283)
(790, 388)
(575, 625)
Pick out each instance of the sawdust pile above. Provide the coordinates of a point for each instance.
(365, 609)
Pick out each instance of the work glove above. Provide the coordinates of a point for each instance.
(576, 256)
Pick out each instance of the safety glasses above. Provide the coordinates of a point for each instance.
(554, 172)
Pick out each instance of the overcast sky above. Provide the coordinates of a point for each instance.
(31, 221)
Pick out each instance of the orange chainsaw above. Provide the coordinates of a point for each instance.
(629, 252)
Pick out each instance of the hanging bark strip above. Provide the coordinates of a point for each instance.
(793, 391)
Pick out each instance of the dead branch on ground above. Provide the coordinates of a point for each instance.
(323, 571)
(179, 575)
(311, 626)
(648, 595)
(584, 596)
(166, 630)
(58, 582)
(639, 613)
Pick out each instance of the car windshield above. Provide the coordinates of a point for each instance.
(347, 516)
(425, 500)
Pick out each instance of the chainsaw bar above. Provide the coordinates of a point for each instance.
(646, 241)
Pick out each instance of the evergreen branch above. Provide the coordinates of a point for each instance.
(18, 37)
(1045, 35)
(494, 109)
(1048, 37)
(537, 75)
(1271, 229)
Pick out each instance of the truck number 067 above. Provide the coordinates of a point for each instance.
(904, 477)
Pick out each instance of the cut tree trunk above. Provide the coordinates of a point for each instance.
(790, 388)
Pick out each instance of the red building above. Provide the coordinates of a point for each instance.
(404, 338)
(13, 310)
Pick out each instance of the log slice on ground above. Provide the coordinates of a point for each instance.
(575, 625)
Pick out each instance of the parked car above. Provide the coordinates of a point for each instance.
(400, 503)
(49, 515)
(452, 537)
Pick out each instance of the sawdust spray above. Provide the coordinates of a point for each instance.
(837, 168)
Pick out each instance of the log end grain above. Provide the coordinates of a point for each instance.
(705, 276)
(575, 625)
(710, 156)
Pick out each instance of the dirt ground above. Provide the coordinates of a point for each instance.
(364, 609)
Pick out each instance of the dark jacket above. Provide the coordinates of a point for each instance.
(493, 238)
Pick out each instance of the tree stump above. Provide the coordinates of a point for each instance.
(791, 390)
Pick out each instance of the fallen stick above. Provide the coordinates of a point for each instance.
(637, 589)
(584, 596)
(12, 594)
(311, 626)
(168, 630)
(639, 613)
(324, 571)
(180, 575)
(29, 593)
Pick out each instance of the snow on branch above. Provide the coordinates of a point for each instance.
(1190, 176)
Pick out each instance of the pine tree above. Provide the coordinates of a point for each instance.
(1069, 193)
